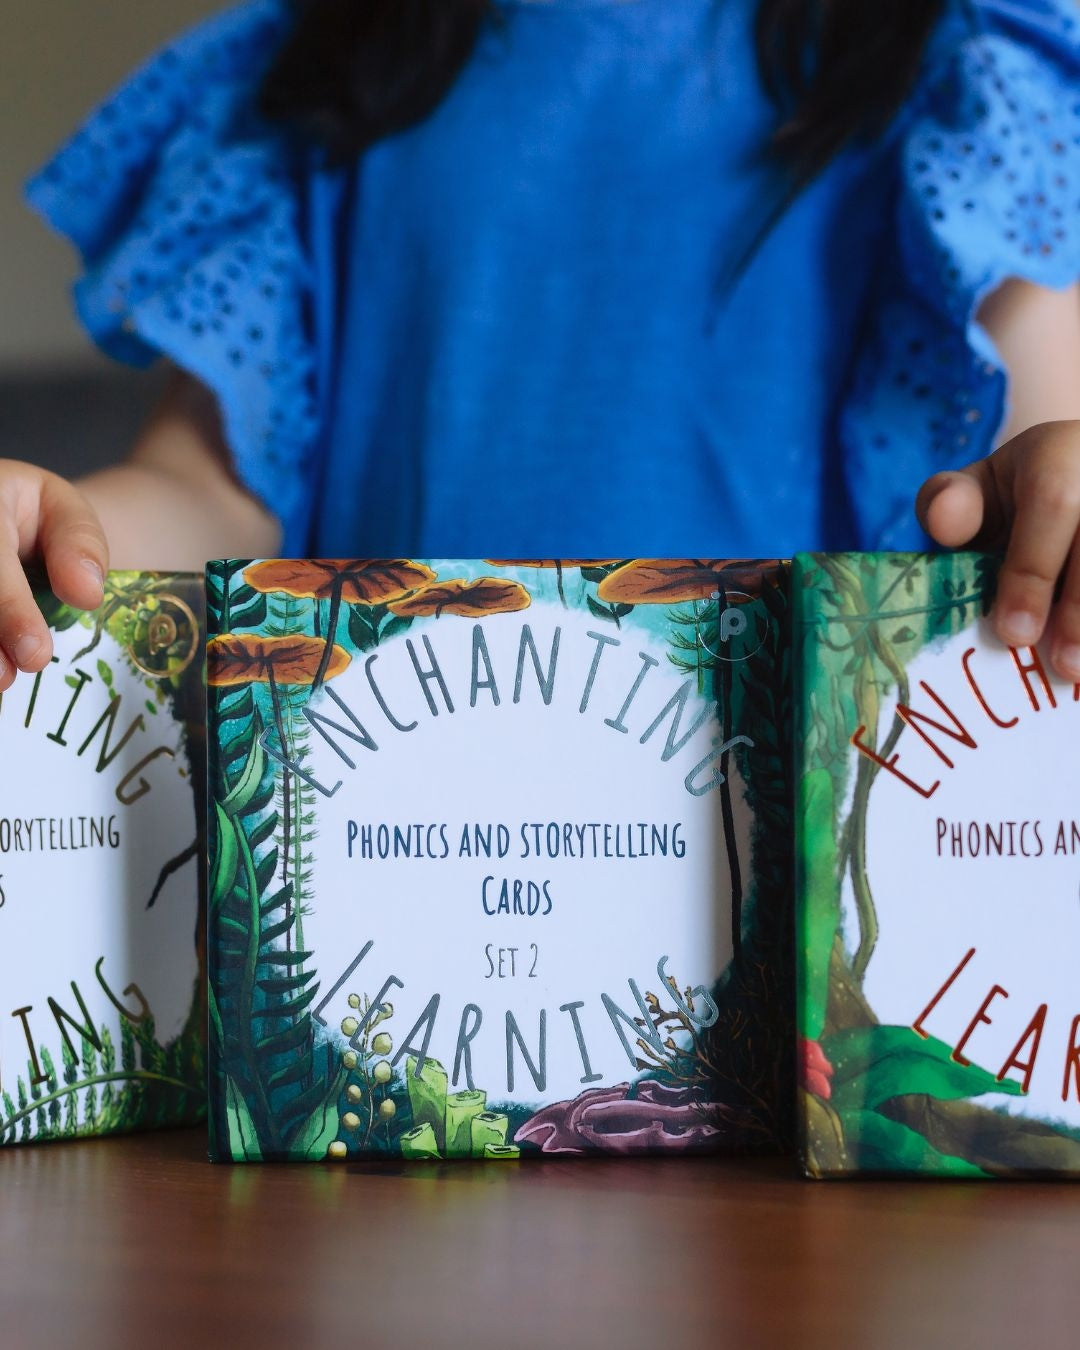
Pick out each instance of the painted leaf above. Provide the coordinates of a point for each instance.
(666, 581)
(819, 914)
(321, 1127)
(873, 1064)
(247, 785)
(226, 859)
(367, 581)
(825, 1149)
(244, 658)
(473, 599)
(883, 1145)
(243, 1140)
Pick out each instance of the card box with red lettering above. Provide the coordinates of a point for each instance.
(101, 950)
(499, 858)
(938, 845)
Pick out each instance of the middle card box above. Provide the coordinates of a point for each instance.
(500, 857)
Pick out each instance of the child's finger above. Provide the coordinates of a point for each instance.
(25, 643)
(962, 507)
(1043, 533)
(1065, 644)
(72, 545)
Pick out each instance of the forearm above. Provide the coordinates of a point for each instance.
(1037, 335)
(156, 520)
(177, 502)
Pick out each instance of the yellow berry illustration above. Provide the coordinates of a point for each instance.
(382, 1044)
(382, 1071)
(350, 1059)
(387, 1109)
(337, 1150)
(354, 1094)
(350, 1026)
(350, 1121)
(354, 1000)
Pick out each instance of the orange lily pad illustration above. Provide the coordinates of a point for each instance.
(357, 581)
(247, 658)
(473, 599)
(669, 581)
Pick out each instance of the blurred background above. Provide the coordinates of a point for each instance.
(61, 404)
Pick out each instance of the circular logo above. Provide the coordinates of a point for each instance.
(740, 630)
(164, 636)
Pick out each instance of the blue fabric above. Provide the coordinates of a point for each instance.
(506, 331)
(188, 215)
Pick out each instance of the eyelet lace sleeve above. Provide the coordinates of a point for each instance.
(186, 210)
(990, 190)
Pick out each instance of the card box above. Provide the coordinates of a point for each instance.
(102, 969)
(938, 824)
(499, 858)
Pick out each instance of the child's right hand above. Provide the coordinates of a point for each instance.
(43, 517)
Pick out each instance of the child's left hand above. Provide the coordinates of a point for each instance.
(1024, 497)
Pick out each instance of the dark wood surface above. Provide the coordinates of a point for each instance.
(141, 1242)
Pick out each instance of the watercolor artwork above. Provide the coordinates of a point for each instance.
(499, 858)
(938, 844)
(102, 946)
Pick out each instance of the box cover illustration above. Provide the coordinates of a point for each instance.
(499, 857)
(939, 863)
(101, 950)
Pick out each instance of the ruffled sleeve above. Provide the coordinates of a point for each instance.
(989, 164)
(187, 211)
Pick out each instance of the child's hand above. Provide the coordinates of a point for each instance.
(42, 516)
(1025, 497)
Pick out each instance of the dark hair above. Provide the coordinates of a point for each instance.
(355, 71)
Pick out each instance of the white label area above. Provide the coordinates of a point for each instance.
(981, 879)
(556, 856)
(95, 799)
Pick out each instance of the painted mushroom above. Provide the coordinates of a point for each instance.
(357, 581)
(249, 658)
(671, 581)
(472, 599)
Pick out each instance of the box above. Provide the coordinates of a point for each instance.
(499, 858)
(101, 950)
(939, 857)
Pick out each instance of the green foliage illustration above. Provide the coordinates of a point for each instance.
(877, 1097)
(91, 1094)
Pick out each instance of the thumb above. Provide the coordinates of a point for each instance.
(965, 507)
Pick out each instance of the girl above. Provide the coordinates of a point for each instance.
(583, 278)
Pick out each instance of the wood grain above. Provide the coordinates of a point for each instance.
(141, 1242)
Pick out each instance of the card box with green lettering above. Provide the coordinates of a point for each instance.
(938, 829)
(499, 858)
(101, 948)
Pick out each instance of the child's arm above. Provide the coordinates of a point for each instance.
(174, 504)
(176, 501)
(1026, 495)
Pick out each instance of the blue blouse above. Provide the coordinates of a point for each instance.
(513, 329)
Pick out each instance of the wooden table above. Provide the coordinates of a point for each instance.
(140, 1242)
